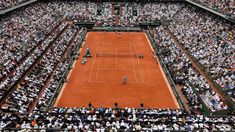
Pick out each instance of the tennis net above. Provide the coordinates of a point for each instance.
(122, 55)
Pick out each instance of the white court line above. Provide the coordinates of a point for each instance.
(133, 64)
(158, 65)
(116, 53)
(97, 72)
(107, 81)
(116, 65)
(139, 65)
(97, 81)
(93, 64)
(136, 82)
(67, 78)
(119, 69)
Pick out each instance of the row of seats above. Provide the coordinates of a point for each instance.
(113, 119)
(211, 43)
(185, 74)
(39, 32)
(27, 90)
(58, 75)
(224, 6)
(4, 4)
(21, 34)
(24, 31)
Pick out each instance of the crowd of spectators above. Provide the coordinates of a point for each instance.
(184, 73)
(224, 6)
(58, 75)
(4, 4)
(26, 91)
(105, 18)
(105, 14)
(158, 11)
(39, 32)
(211, 43)
(113, 119)
(20, 35)
(133, 13)
(129, 14)
(37, 28)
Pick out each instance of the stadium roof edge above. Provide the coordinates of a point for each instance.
(230, 19)
(2, 12)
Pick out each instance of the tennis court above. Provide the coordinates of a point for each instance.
(114, 56)
(119, 59)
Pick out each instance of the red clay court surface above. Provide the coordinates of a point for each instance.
(99, 80)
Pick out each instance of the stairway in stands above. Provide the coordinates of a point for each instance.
(116, 12)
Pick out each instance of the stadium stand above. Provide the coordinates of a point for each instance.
(128, 119)
(9, 3)
(16, 57)
(184, 73)
(225, 6)
(39, 43)
(215, 49)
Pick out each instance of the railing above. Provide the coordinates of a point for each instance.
(168, 76)
(111, 29)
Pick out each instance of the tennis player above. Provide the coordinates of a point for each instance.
(125, 80)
